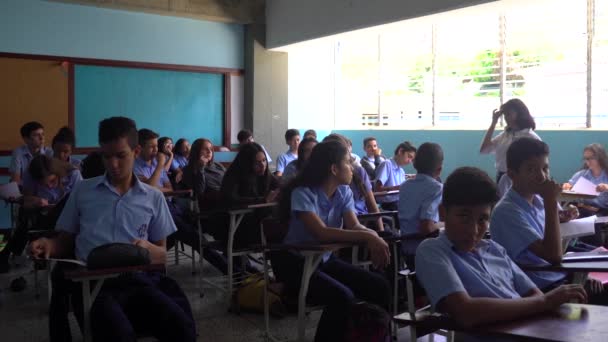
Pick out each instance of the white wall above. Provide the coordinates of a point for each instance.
(293, 21)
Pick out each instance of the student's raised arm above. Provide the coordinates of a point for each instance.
(550, 246)
(486, 143)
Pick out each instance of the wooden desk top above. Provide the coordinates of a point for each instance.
(386, 193)
(570, 267)
(571, 195)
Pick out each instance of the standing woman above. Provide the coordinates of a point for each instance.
(319, 207)
(519, 124)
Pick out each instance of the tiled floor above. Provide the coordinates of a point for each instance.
(24, 318)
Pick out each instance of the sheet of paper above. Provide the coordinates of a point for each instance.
(579, 227)
(9, 190)
(584, 186)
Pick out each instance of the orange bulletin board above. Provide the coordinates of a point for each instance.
(31, 90)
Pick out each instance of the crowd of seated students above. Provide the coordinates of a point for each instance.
(320, 189)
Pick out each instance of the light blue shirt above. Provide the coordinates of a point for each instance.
(516, 224)
(268, 159)
(143, 169)
(284, 159)
(355, 158)
(419, 199)
(329, 210)
(21, 158)
(358, 197)
(289, 172)
(485, 272)
(600, 201)
(390, 174)
(52, 195)
(178, 162)
(74, 162)
(99, 215)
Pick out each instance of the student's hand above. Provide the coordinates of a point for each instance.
(378, 249)
(157, 253)
(567, 186)
(548, 190)
(161, 159)
(378, 152)
(169, 154)
(42, 248)
(594, 286)
(203, 161)
(179, 175)
(565, 294)
(602, 187)
(496, 115)
(569, 213)
(272, 196)
(42, 202)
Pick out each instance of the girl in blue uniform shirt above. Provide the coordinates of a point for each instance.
(181, 151)
(319, 207)
(63, 146)
(594, 170)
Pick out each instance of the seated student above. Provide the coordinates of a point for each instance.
(165, 145)
(292, 139)
(63, 145)
(373, 157)
(526, 220)
(390, 174)
(595, 170)
(149, 165)
(32, 134)
(355, 157)
(248, 181)
(92, 165)
(420, 197)
(304, 150)
(471, 279)
(311, 133)
(181, 151)
(203, 175)
(118, 207)
(46, 186)
(245, 136)
(319, 208)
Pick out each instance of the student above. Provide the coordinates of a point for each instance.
(203, 174)
(373, 156)
(595, 170)
(390, 174)
(319, 208)
(32, 134)
(292, 139)
(355, 157)
(311, 133)
(165, 146)
(118, 207)
(526, 220)
(248, 181)
(46, 185)
(63, 145)
(420, 197)
(471, 279)
(519, 124)
(181, 151)
(149, 165)
(245, 136)
(304, 150)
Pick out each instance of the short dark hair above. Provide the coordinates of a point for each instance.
(290, 133)
(145, 134)
(244, 134)
(92, 165)
(405, 146)
(29, 127)
(469, 186)
(64, 136)
(523, 149)
(429, 158)
(367, 140)
(523, 119)
(311, 133)
(118, 127)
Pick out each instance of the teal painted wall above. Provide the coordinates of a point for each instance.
(461, 148)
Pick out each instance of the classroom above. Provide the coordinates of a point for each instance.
(288, 170)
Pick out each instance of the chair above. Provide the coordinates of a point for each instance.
(178, 248)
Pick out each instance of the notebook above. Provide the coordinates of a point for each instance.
(586, 256)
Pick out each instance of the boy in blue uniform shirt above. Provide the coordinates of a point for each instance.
(32, 134)
(420, 197)
(472, 279)
(117, 207)
(149, 165)
(390, 174)
(292, 139)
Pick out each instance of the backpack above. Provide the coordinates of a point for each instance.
(369, 323)
(250, 296)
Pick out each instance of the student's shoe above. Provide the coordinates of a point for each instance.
(18, 285)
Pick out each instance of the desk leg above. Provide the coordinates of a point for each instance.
(311, 261)
(235, 221)
(199, 226)
(86, 302)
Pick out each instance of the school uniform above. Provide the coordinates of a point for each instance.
(98, 215)
(356, 159)
(52, 195)
(335, 284)
(142, 169)
(390, 174)
(515, 224)
(268, 159)
(358, 196)
(600, 201)
(284, 159)
(370, 164)
(21, 158)
(504, 184)
(419, 200)
(487, 271)
(500, 144)
(290, 171)
(74, 162)
(178, 162)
